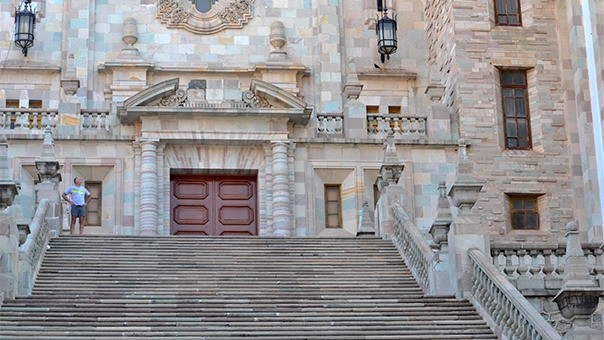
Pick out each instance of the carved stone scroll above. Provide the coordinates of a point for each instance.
(223, 14)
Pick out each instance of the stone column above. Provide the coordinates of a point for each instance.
(282, 214)
(148, 191)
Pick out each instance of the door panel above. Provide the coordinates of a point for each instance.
(93, 208)
(213, 205)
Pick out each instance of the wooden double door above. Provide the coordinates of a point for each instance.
(213, 205)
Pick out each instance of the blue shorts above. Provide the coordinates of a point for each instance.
(78, 211)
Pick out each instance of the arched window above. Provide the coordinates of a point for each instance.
(204, 6)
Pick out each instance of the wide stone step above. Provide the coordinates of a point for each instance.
(229, 288)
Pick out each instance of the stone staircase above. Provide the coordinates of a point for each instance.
(230, 288)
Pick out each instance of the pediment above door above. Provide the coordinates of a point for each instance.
(168, 98)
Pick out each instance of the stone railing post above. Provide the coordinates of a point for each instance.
(580, 295)
(443, 276)
(9, 235)
(49, 177)
(390, 192)
(467, 231)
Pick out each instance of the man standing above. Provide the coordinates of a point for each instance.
(78, 196)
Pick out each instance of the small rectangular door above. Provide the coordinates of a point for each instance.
(93, 209)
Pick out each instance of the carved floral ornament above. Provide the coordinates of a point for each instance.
(249, 100)
(223, 14)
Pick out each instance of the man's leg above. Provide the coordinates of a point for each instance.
(72, 225)
(82, 218)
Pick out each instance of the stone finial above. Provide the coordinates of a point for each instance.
(392, 168)
(435, 90)
(366, 227)
(579, 296)
(129, 32)
(352, 87)
(442, 223)
(69, 82)
(47, 165)
(129, 37)
(464, 192)
(277, 40)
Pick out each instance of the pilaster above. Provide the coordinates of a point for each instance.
(148, 192)
(282, 215)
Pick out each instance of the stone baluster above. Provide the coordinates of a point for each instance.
(523, 268)
(599, 261)
(548, 267)
(535, 268)
(510, 268)
(560, 262)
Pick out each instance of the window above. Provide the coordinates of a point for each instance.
(204, 6)
(373, 109)
(507, 12)
(524, 211)
(515, 109)
(333, 218)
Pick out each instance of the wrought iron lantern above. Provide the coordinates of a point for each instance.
(25, 21)
(386, 32)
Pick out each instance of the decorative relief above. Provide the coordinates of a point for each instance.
(223, 14)
(181, 99)
(254, 101)
(177, 99)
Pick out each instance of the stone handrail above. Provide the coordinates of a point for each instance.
(381, 125)
(503, 304)
(415, 249)
(32, 251)
(37, 120)
(95, 120)
(543, 264)
(330, 124)
(29, 119)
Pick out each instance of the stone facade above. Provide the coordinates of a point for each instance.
(295, 93)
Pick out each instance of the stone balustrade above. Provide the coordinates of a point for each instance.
(415, 249)
(32, 251)
(379, 125)
(330, 125)
(503, 304)
(539, 268)
(95, 120)
(35, 121)
(28, 119)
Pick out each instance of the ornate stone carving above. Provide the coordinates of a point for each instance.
(223, 14)
(177, 99)
(254, 101)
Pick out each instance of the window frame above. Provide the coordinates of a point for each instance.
(511, 112)
(524, 211)
(507, 14)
